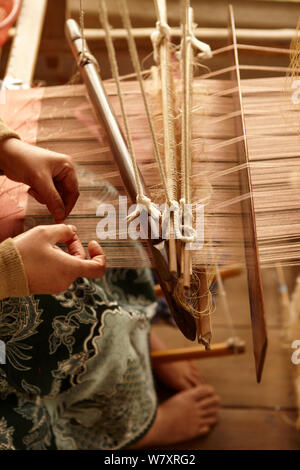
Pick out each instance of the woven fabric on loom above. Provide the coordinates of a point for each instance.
(62, 120)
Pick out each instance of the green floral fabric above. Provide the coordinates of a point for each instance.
(78, 371)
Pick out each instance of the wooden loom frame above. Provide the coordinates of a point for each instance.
(25, 74)
(104, 115)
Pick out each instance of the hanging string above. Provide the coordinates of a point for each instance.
(85, 56)
(224, 300)
(167, 101)
(142, 200)
(137, 68)
(168, 116)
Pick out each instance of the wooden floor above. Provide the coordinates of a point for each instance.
(252, 416)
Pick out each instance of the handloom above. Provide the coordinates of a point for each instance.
(243, 159)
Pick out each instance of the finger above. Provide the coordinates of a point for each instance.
(91, 269)
(67, 186)
(95, 249)
(36, 196)
(60, 233)
(48, 192)
(76, 267)
(75, 247)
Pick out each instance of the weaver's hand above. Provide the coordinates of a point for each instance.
(51, 176)
(49, 269)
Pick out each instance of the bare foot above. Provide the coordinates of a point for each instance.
(184, 416)
(178, 375)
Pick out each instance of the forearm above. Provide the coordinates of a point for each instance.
(13, 279)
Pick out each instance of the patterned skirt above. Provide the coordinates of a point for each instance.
(78, 371)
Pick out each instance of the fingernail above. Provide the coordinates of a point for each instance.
(59, 214)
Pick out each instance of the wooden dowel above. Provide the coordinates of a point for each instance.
(287, 34)
(186, 268)
(232, 271)
(198, 352)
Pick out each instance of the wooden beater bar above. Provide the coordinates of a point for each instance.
(250, 236)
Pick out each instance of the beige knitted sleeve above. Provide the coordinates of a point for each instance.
(13, 279)
(6, 133)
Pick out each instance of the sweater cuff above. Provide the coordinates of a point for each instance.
(13, 279)
(6, 132)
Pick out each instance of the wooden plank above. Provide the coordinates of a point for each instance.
(250, 235)
(25, 46)
(55, 28)
(249, 429)
(56, 14)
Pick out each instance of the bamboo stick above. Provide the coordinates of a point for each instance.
(168, 124)
(199, 352)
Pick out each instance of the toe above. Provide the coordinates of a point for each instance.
(204, 430)
(202, 391)
(211, 411)
(210, 420)
(192, 381)
(209, 402)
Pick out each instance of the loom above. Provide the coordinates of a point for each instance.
(243, 184)
(252, 217)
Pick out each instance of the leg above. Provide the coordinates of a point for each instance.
(187, 414)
